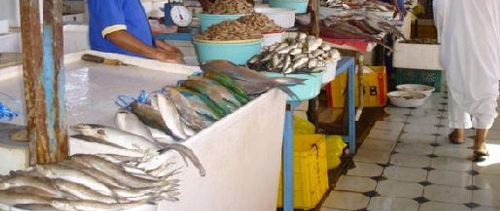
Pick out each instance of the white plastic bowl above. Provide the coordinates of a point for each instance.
(406, 98)
(427, 90)
(281, 17)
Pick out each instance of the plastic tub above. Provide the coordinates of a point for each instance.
(206, 20)
(300, 6)
(238, 52)
(406, 99)
(281, 16)
(427, 90)
(272, 38)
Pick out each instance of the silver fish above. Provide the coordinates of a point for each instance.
(295, 51)
(275, 60)
(13, 198)
(115, 171)
(313, 43)
(93, 205)
(325, 47)
(128, 121)
(151, 117)
(82, 192)
(30, 181)
(298, 63)
(302, 36)
(102, 177)
(171, 116)
(119, 137)
(63, 172)
(37, 192)
(189, 112)
(109, 147)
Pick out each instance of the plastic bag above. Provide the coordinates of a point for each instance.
(302, 126)
(334, 149)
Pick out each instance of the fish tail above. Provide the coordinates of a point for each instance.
(289, 92)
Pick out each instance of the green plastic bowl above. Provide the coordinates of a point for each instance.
(306, 91)
(238, 52)
(206, 20)
(300, 6)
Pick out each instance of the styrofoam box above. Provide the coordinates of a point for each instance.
(417, 56)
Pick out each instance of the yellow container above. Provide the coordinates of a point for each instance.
(375, 89)
(310, 171)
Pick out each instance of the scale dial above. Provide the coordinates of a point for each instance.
(181, 16)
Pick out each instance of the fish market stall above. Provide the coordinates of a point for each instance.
(241, 152)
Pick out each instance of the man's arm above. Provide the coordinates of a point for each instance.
(125, 40)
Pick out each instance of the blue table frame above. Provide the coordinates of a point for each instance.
(345, 64)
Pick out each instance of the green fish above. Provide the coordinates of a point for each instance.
(229, 83)
(215, 93)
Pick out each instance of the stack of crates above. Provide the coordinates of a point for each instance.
(374, 89)
(417, 63)
(310, 171)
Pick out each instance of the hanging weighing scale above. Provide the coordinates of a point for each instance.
(177, 14)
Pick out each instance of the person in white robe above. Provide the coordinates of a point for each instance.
(469, 34)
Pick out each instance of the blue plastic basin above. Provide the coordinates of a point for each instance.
(238, 52)
(300, 6)
(306, 91)
(206, 20)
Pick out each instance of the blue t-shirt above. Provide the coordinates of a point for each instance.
(106, 16)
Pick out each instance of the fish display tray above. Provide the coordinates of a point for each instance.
(310, 171)
(308, 90)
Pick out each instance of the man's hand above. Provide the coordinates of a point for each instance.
(169, 56)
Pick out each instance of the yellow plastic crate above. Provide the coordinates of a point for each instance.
(310, 171)
(375, 89)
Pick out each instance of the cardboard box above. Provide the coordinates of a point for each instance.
(417, 56)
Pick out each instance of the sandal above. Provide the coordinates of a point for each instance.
(479, 156)
(453, 140)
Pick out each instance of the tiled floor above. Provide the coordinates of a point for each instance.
(407, 164)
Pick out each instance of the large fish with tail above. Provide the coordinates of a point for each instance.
(216, 93)
(171, 116)
(116, 136)
(152, 117)
(110, 147)
(227, 93)
(246, 74)
(41, 183)
(229, 83)
(193, 112)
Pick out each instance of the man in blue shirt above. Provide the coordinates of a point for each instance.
(121, 26)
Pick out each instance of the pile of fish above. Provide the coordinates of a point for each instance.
(363, 26)
(229, 30)
(86, 182)
(230, 7)
(299, 53)
(378, 6)
(260, 22)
